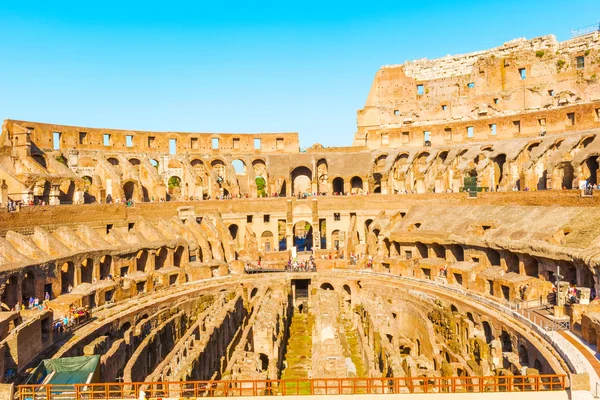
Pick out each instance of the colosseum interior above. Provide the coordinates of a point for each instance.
(452, 249)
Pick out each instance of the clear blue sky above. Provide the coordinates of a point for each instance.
(231, 66)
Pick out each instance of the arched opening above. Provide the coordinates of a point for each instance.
(538, 365)
(113, 161)
(567, 174)
(335, 239)
(233, 231)
(303, 236)
(499, 162)
(493, 257)
(160, 258)
(357, 185)
(124, 328)
(338, 185)
(239, 166)
(264, 361)
(322, 176)
(105, 266)
(154, 163)
(531, 267)
(141, 260)
(178, 256)
(327, 286)
(512, 262)
(592, 169)
(267, 241)
(282, 234)
(67, 277)
(523, 356)
(128, 190)
(87, 270)
(134, 162)
(470, 317)
(88, 196)
(261, 186)
(506, 342)
(28, 287)
(438, 250)
(422, 250)
(347, 290)
(9, 297)
(487, 330)
(283, 189)
(457, 252)
(586, 142)
(254, 292)
(174, 188)
(301, 180)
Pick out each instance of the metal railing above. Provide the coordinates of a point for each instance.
(316, 386)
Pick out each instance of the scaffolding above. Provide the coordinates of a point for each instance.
(584, 30)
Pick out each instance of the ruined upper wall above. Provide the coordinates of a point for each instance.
(552, 85)
(85, 138)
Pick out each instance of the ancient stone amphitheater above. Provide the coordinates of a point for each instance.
(452, 250)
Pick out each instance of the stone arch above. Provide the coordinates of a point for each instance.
(239, 166)
(488, 332)
(335, 239)
(160, 258)
(254, 292)
(89, 195)
(67, 277)
(493, 257)
(422, 250)
(178, 256)
(105, 266)
(523, 356)
(338, 185)
(347, 290)
(538, 365)
(586, 141)
(506, 342)
(323, 175)
(301, 180)
(10, 296)
(443, 155)
(141, 261)
(129, 189)
(591, 169)
(267, 241)
(326, 286)
(174, 187)
(357, 185)
(438, 250)
(134, 162)
(87, 271)
(28, 287)
(458, 252)
(113, 161)
(499, 162)
(567, 174)
(303, 236)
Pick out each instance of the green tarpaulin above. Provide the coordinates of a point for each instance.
(66, 371)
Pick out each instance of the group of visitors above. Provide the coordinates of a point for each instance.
(301, 266)
(12, 205)
(117, 200)
(33, 303)
(75, 317)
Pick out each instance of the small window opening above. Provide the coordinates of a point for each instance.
(405, 137)
(396, 112)
(551, 92)
(336, 216)
(56, 136)
(493, 129)
(523, 73)
(471, 85)
(249, 219)
(106, 138)
(571, 118)
(580, 62)
(444, 107)
(129, 140)
(172, 146)
(517, 126)
(82, 137)
(448, 133)
(257, 144)
(420, 90)
(280, 145)
(236, 143)
(130, 226)
(470, 132)
(215, 143)
(266, 218)
(496, 100)
(194, 143)
(108, 228)
(151, 141)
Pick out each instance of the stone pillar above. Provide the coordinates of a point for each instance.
(289, 231)
(54, 195)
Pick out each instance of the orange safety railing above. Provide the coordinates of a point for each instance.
(315, 386)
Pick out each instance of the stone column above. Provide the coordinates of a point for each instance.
(54, 195)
